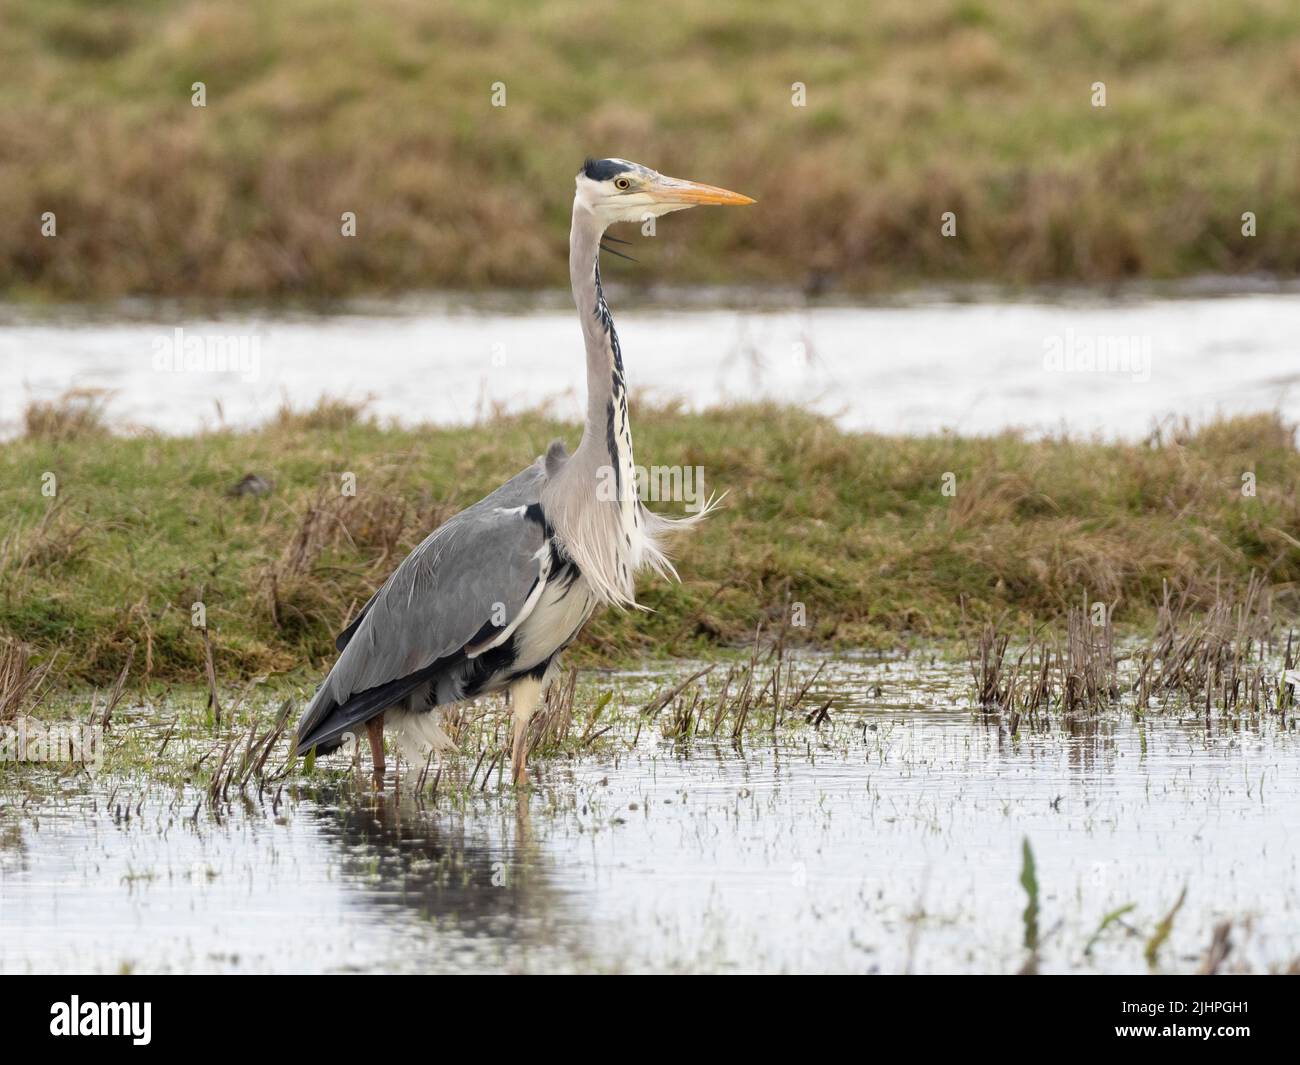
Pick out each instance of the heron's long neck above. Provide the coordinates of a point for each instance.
(608, 433)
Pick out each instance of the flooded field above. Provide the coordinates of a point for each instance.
(885, 834)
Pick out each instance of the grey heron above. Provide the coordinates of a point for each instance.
(489, 599)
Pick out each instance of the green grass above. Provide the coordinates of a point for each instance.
(856, 528)
(914, 108)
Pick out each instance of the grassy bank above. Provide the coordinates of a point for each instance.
(317, 107)
(855, 528)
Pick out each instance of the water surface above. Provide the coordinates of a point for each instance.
(918, 366)
(888, 840)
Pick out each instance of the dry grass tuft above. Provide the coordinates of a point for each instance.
(328, 414)
(1224, 656)
(22, 683)
(56, 540)
(75, 415)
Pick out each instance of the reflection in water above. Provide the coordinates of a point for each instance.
(403, 855)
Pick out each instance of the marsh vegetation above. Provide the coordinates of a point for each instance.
(841, 540)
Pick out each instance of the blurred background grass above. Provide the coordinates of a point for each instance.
(914, 107)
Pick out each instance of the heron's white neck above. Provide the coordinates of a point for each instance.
(608, 432)
(605, 382)
(608, 537)
(592, 500)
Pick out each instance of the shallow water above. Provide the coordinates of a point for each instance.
(914, 366)
(887, 840)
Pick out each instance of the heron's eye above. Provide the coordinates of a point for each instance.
(622, 183)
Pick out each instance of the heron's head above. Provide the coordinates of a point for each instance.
(615, 190)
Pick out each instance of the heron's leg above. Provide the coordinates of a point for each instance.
(375, 730)
(524, 696)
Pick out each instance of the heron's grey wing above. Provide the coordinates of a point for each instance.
(341, 640)
(470, 581)
(472, 576)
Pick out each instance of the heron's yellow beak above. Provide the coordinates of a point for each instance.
(692, 193)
